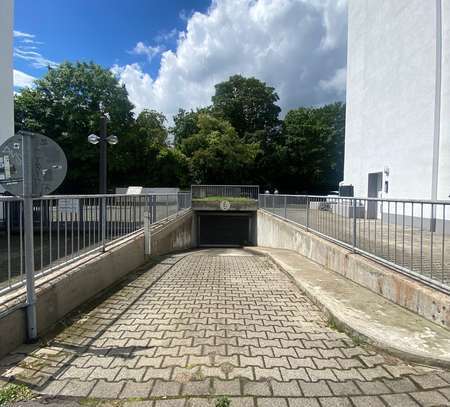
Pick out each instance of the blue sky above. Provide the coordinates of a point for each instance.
(170, 54)
(99, 30)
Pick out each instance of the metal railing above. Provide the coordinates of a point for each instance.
(66, 227)
(411, 236)
(227, 191)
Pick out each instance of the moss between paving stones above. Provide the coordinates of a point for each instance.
(14, 392)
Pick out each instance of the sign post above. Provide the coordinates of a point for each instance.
(31, 165)
(27, 163)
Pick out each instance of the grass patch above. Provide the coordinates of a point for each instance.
(223, 402)
(218, 198)
(14, 392)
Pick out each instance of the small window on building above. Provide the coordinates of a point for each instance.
(386, 186)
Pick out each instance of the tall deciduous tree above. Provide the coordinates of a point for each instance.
(66, 105)
(216, 153)
(249, 105)
(313, 148)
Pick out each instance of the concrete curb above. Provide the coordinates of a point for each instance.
(344, 324)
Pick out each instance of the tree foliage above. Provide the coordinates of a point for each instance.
(65, 105)
(240, 138)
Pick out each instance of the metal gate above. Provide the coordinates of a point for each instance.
(224, 229)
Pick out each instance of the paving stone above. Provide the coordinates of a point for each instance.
(372, 388)
(197, 388)
(77, 388)
(318, 389)
(242, 402)
(399, 400)
(107, 390)
(272, 402)
(430, 398)
(170, 403)
(286, 389)
(165, 388)
(227, 387)
(344, 389)
(261, 388)
(335, 402)
(136, 390)
(401, 385)
(303, 402)
(429, 381)
(367, 401)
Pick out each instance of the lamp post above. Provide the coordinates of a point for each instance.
(103, 140)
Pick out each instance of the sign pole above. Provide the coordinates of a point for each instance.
(27, 161)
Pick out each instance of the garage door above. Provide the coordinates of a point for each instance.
(224, 229)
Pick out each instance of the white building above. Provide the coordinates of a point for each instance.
(397, 142)
(6, 70)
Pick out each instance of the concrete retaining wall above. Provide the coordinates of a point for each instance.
(67, 288)
(279, 233)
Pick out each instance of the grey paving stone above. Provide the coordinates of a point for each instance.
(335, 402)
(429, 381)
(170, 403)
(163, 388)
(303, 402)
(373, 388)
(367, 401)
(227, 387)
(272, 402)
(261, 388)
(318, 389)
(77, 388)
(399, 400)
(344, 389)
(136, 390)
(286, 389)
(430, 398)
(107, 390)
(197, 388)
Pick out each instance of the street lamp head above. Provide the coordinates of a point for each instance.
(93, 139)
(112, 140)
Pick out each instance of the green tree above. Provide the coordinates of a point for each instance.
(249, 105)
(312, 149)
(151, 127)
(185, 124)
(219, 156)
(65, 105)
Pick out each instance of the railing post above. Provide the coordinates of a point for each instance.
(28, 235)
(103, 221)
(307, 212)
(285, 206)
(167, 206)
(354, 224)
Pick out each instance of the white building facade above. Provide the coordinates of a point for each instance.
(397, 141)
(6, 70)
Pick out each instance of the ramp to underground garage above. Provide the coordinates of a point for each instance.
(225, 229)
(225, 215)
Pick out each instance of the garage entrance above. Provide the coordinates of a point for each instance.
(224, 229)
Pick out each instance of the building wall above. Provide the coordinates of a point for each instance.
(391, 96)
(6, 70)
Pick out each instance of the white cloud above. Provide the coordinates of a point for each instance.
(22, 79)
(20, 34)
(336, 83)
(147, 50)
(297, 46)
(35, 58)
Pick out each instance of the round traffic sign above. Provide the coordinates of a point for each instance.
(49, 164)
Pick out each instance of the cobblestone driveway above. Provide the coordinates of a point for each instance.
(218, 323)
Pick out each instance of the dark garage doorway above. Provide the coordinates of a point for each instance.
(224, 229)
